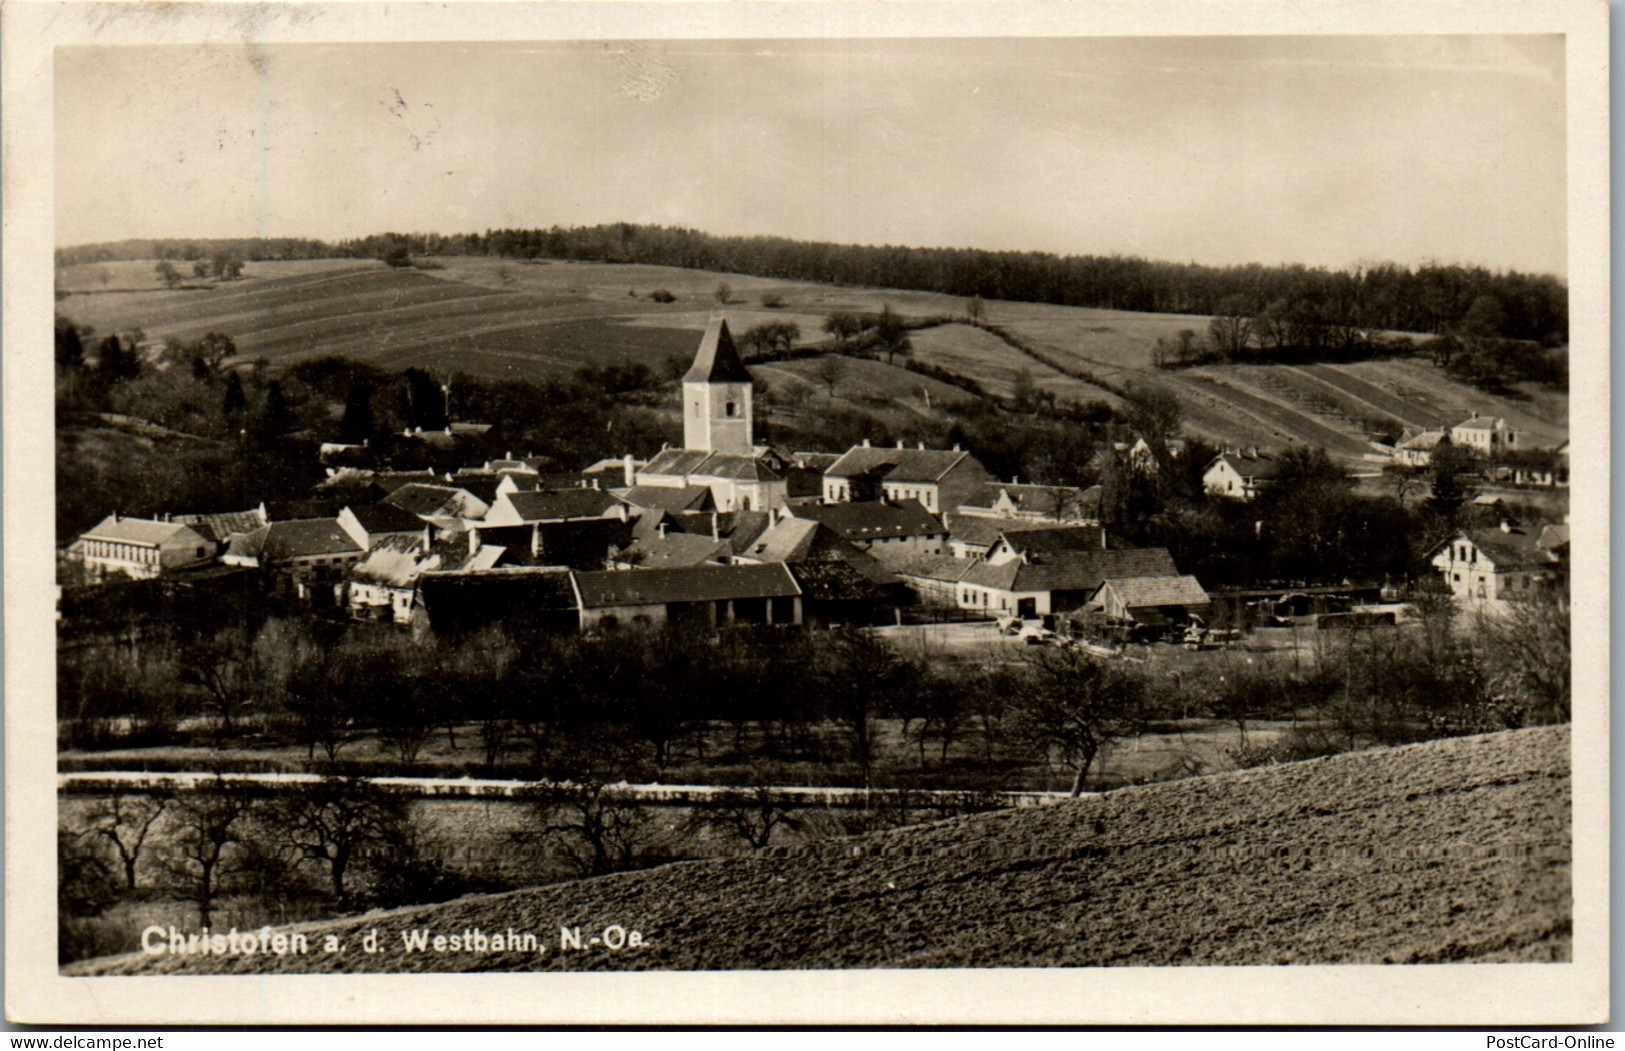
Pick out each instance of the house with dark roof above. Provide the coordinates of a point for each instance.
(1500, 565)
(974, 536)
(369, 523)
(307, 558)
(555, 505)
(798, 541)
(669, 550)
(1151, 601)
(454, 603)
(675, 499)
(221, 527)
(382, 585)
(698, 598)
(139, 548)
(580, 543)
(934, 579)
(1240, 475)
(442, 505)
(1056, 580)
(837, 593)
(1417, 450)
(940, 479)
(893, 532)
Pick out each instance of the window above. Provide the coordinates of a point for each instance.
(728, 409)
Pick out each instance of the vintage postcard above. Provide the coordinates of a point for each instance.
(806, 513)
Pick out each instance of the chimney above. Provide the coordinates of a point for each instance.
(899, 443)
(956, 447)
(661, 529)
(1506, 527)
(921, 445)
(626, 470)
(866, 443)
(1015, 479)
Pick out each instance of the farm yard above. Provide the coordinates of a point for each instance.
(1447, 851)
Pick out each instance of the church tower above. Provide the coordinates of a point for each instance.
(716, 396)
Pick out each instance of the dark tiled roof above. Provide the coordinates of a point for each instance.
(744, 528)
(556, 505)
(981, 531)
(386, 518)
(943, 568)
(1072, 570)
(304, 538)
(819, 462)
(899, 465)
(465, 601)
(1056, 538)
(651, 587)
(222, 527)
(874, 519)
(1261, 466)
(1042, 499)
(735, 467)
(676, 461)
(670, 497)
(1510, 548)
(675, 549)
(718, 359)
(482, 484)
(424, 500)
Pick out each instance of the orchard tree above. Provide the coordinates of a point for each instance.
(124, 821)
(168, 274)
(1070, 705)
(332, 822)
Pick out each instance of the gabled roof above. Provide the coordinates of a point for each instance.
(1034, 543)
(302, 538)
(735, 467)
(386, 518)
(143, 532)
(427, 501)
(874, 519)
(394, 561)
(1047, 499)
(1136, 592)
(466, 600)
(670, 497)
(1424, 441)
(651, 587)
(1553, 536)
(676, 461)
(819, 462)
(1510, 548)
(785, 540)
(222, 527)
(898, 465)
(482, 484)
(1262, 465)
(557, 505)
(982, 531)
(675, 549)
(718, 359)
(1479, 423)
(943, 568)
(1072, 570)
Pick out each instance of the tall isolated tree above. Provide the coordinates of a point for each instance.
(357, 425)
(206, 842)
(891, 335)
(843, 326)
(168, 274)
(332, 822)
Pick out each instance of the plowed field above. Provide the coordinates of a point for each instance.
(1447, 851)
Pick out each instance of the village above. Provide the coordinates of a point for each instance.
(727, 532)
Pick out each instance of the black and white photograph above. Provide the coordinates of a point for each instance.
(806, 513)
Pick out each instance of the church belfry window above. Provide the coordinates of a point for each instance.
(728, 410)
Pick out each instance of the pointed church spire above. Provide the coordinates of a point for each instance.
(718, 360)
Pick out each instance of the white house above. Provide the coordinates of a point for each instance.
(140, 548)
(1497, 565)
(1484, 434)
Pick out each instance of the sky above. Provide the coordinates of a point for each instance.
(1324, 150)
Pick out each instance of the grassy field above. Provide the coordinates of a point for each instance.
(498, 319)
(1448, 851)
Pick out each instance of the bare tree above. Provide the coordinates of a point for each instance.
(1072, 705)
(598, 829)
(124, 821)
(209, 832)
(748, 814)
(331, 822)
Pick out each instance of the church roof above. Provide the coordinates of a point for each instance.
(718, 360)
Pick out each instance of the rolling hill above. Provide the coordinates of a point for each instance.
(499, 319)
(1447, 851)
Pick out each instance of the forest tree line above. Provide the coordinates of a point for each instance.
(1433, 298)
